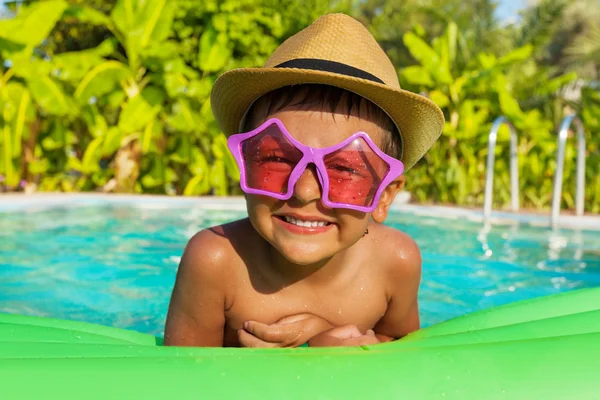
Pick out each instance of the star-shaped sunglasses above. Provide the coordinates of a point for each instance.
(352, 174)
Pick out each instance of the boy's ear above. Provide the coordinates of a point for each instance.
(380, 213)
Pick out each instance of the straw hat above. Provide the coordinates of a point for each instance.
(335, 50)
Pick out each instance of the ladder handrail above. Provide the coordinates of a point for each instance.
(560, 165)
(514, 177)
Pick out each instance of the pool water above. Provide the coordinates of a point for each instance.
(115, 264)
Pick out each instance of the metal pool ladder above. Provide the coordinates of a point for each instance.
(489, 179)
(560, 165)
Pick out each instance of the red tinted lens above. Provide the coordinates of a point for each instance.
(269, 160)
(355, 173)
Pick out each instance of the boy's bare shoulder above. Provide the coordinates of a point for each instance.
(213, 252)
(202, 290)
(397, 252)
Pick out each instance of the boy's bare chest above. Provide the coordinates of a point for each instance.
(361, 302)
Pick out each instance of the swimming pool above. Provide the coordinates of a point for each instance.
(112, 260)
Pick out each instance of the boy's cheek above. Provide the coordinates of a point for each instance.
(259, 212)
(256, 204)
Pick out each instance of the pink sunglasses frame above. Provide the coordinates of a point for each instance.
(314, 156)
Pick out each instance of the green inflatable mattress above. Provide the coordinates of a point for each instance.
(546, 348)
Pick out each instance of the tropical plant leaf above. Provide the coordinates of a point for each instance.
(182, 153)
(72, 66)
(184, 119)
(56, 139)
(24, 66)
(165, 50)
(34, 23)
(427, 57)
(416, 75)
(199, 165)
(439, 98)
(95, 121)
(49, 95)
(152, 131)
(176, 84)
(221, 152)
(218, 178)
(487, 60)
(92, 155)
(8, 47)
(136, 114)
(214, 51)
(100, 80)
(508, 104)
(452, 37)
(554, 84)
(38, 167)
(87, 15)
(142, 22)
(25, 108)
(197, 185)
(112, 141)
(517, 55)
(156, 21)
(199, 88)
(419, 49)
(155, 177)
(7, 163)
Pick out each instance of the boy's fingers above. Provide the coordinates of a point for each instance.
(255, 328)
(290, 319)
(283, 334)
(368, 339)
(248, 340)
(267, 333)
(345, 332)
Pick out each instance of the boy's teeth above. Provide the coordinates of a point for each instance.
(307, 224)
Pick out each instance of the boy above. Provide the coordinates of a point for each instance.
(327, 133)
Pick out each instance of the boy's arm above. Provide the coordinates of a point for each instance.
(196, 314)
(404, 277)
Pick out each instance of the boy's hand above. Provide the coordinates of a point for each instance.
(347, 335)
(290, 331)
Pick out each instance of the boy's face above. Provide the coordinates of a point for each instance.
(274, 219)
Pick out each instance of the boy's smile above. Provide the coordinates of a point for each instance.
(302, 229)
(304, 225)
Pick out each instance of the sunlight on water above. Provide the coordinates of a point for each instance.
(115, 265)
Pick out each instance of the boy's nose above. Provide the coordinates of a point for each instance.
(307, 187)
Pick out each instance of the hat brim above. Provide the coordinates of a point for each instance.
(418, 119)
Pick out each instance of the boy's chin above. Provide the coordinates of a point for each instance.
(307, 254)
(305, 261)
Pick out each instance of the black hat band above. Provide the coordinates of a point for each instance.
(329, 66)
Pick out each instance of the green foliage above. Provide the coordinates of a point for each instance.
(590, 113)
(472, 97)
(130, 112)
(113, 95)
